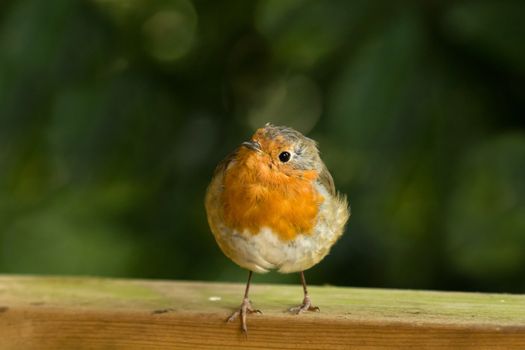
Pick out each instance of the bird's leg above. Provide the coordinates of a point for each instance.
(246, 308)
(307, 303)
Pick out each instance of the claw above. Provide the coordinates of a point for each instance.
(245, 309)
(306, 306)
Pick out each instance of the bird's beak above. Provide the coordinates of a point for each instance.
(253, 145)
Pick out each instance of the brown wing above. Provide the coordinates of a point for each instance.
(326, 180)
(212, 199)
(223, 164)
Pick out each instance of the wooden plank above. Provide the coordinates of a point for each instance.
(95, 313)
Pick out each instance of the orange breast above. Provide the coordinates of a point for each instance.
(258, 196)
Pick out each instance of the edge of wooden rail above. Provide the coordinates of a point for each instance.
(90, 313)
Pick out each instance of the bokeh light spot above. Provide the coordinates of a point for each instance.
(294, 102)
(170, 33)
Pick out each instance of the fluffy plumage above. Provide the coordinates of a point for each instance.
(268, 214)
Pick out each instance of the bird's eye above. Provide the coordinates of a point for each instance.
(284, 156)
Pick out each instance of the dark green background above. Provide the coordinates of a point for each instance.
(115, 112)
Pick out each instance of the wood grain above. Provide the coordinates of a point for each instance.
(94, 313)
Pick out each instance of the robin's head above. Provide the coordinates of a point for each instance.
(282, 149)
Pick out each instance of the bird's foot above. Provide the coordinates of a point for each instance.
(306, 306)
(245, 309)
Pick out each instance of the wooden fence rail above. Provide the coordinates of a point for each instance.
(97, 313)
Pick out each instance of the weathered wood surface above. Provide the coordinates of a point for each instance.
(95, 313)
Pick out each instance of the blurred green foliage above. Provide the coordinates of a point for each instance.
(113, 114)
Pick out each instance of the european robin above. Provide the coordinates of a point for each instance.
(272, 205)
